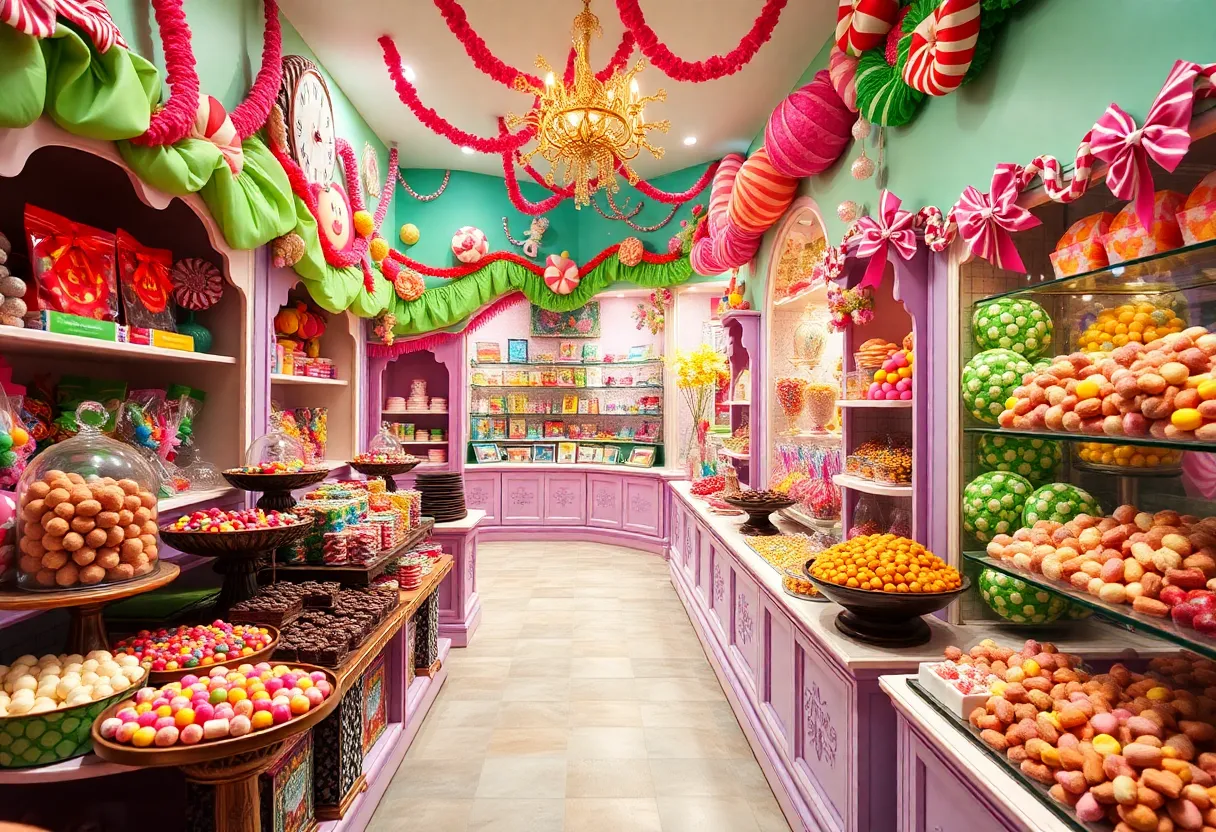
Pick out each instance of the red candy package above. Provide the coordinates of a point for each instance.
(73, 266)
(143, 274)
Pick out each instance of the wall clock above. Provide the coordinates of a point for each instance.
(309, 116)
(370, 165)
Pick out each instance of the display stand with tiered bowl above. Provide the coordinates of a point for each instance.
(274, 467)
(384, 458)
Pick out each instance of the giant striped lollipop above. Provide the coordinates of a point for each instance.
(561, 273)
(197, 283)
(942, 47)
(469, 244)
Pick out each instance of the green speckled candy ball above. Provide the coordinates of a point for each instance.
(993, 503)
(1034, 459)
(1060, 502)
(1012, 324)
(1020, 602)
(989, 379)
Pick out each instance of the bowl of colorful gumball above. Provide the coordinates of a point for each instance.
(222, 713)
(386, 465)
(275, 481)
(170, 653)
(47, 704)
(215, 532)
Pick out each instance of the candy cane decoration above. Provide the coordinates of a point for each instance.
(942, 47)
(33, 17)
(863, 24)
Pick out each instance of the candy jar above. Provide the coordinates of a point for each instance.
(384, 458)
(384, 447)
(275, 452)
(791, 395)
(820, 405)
(867, 517)
(900, 523)
(88, 511)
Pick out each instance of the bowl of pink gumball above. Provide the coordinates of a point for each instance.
(219, 714)
(893, 381)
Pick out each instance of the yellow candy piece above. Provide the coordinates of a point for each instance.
(1207, 389)
(1031, 667)
(1187, 418)
(1087, 388)
(1106, 744)
(143, 737)
(1158, 693)
(1011, 402)
(998, 688)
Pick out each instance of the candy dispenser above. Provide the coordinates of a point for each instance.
(88, 506)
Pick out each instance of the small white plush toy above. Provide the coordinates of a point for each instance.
(531, 242)
(12, 308)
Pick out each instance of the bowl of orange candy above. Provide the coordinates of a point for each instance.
(885, 584)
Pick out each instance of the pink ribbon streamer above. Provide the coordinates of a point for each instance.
(1164, 137)
(986, 220)
(892, 227)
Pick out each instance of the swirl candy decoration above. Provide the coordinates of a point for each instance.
(862, 24)
(719, 193)
(469, 244)
(212, 124)
(942, 47)
(809, 130)
(561, 274)
(760, 195)
(882, 96)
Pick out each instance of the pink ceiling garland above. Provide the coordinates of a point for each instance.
(719, 66)
(386, 193)
(476, 49)
(465, 269)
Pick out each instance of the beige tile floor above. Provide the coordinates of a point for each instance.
(584, 703)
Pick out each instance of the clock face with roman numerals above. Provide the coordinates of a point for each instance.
(311, 128)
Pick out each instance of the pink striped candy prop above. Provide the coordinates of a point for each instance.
(561, 274)
(212, 124)
(985, 221)
(94, 18)
(809, 130)
(33, 17)
(760, 195)
(942, 47)
(842, 69)
(719, 193)
(469, 244)
(863, 24)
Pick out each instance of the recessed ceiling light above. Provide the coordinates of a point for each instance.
(466, 150)
(409, 74)
(689, 141)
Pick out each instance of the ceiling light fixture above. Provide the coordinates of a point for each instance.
(689, 141)
(466, 150)
(586, 129)
(409, 74)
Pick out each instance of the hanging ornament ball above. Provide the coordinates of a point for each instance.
(861, 129)
(807, 131)
(197, 283)
(630, 251)
(561, 273)
(378, 249)
(469, 244)
(364, 224)
(848, 211)
(862, 167)
(408, 285)
(409, 234)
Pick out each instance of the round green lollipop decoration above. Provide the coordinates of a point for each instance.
(993, 503)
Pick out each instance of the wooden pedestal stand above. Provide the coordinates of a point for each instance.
(385, 470)
(87, 631)
(275, 488)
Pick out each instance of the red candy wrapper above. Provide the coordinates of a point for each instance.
(73, 266)
(147, 293)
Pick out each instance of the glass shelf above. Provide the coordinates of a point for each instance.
(550, 440)
(1121, 615)
(1183, 268)
(1146, 441)
(1064, 813)
(526, 413)
(563, 388)
(636, 363)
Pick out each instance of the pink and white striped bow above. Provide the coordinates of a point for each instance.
(1164, 137)
(891, 226)
(985, 220)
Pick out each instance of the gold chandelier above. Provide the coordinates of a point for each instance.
(587, 127)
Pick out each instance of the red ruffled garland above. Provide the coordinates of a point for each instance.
(432, 121)
(646, 189)
(710, 69)
(429, 342)
(475, 47)
(171, 123)
(251, 114)
(386, 193)
(466, 269)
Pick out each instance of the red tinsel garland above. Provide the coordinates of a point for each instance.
(435, 339)
(386, 193)
(646, 189)
(171, 123)
(466, 269)
(432, 121)
(251, 114)
(710, 69)
(475, 47)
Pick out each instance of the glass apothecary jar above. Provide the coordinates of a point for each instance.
(384, 447)
(88, 511)
(275, 450)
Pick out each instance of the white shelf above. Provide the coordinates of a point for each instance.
(280, 378)
(193, 498)
(38, 342)
(870, 487)
(737, 402)
(874, 403)
(422, 442)
(735, 454)
(818, 292)
(414, 412)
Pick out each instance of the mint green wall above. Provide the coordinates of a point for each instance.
(1057, 65)
(227, 38)
(596, 233)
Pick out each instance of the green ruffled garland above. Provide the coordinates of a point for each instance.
(443, 306)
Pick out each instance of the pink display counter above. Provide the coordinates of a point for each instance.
(459, 604)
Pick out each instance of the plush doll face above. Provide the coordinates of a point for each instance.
(334, 216)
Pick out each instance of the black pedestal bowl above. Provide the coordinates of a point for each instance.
(886, 619)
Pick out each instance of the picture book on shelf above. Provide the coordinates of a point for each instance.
(612, 455)
(574, 431)
(517, 428)
(589, 429)
(586, 453)
(584, 406)
(521, 454)
(565, 377)
(517, 350)
(535, 378)
(493, 378)
(566, 451)
(591, 352)
(498, 428)
(515, 378)
(543, 453)
(498, 404)
(593, 405)
(569, 404)
(485, 453)
(593, 377)
(534, 430)
(488, 352)
(639, 352)
(481, 428)
(568, 351)
(517, 403)
(548, 378)
(580, 377)
(641, 457)
(555, 428)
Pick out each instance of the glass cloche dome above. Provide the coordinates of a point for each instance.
(275, 447)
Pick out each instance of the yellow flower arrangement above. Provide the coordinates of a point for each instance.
(698, 374)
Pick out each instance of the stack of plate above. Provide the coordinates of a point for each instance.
(442, 496)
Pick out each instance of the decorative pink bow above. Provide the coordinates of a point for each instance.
(1116, 139)
(891, 226)
(985, 220)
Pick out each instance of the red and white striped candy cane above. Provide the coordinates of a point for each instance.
(94, 18)
(1058, 187)
(34, 17)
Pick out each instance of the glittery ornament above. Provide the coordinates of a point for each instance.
(848, 211)
(863, 167)
(630, 251)
(861, 129)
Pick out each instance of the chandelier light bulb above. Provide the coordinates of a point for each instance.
(409, 74)
(689, 141)
(550, 79)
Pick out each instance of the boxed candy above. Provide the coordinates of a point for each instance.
(1128, 239)
(1080, 250)
(73, 266)
(147, 294)
(1197, 219)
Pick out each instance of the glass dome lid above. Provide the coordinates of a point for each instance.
(275, 447)
(385, 444)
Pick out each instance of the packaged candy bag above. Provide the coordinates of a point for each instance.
(73, 266)
(147, 293)
(1197, 219)
(1128, 239)
(1080, 249)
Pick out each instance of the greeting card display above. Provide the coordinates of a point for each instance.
(73, 266)
(147, 291)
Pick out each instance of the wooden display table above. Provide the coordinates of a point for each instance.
(87, 631)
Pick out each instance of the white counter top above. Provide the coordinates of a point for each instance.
(819, 619)
(984, 773)
(466, 524)
(587, 467)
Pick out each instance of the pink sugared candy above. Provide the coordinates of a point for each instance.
(191, 734)
(240, 726)
(280, 713)
(166, 736)
(109, 728)
(314, 697)
(126, 731)
(163, 722)
(147, 718)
